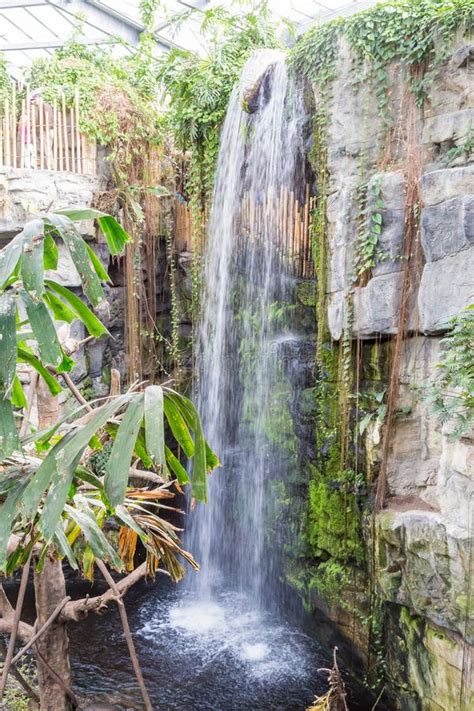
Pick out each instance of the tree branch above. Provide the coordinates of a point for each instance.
(6, 619)
(76, 610)
(15, 625)
(128, 635)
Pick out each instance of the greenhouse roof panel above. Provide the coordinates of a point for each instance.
(34, 28)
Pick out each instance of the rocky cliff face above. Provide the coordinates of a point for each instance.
(423, 563)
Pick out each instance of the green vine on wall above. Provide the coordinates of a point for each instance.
(451, 396)
(413, 32)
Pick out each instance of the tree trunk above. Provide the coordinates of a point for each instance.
(50, 589)
(53, 646)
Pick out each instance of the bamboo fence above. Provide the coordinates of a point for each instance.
(280, 218)
(43, 136)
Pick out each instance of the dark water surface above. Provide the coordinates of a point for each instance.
(222, 655)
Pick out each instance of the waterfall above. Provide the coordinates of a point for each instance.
(244, 310)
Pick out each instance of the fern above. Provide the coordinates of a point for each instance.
(451, 395)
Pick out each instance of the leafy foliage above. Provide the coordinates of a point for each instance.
(199, 87)
(452, 394)
(411, 31)
(50, 494)
(116, 95)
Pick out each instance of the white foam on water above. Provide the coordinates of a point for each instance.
(200, 618)
(255, 652)
(229, 628)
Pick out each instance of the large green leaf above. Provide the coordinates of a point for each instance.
(32, 259)
(51, 253)
(7, 340)
(178, 426)
(9, 440)
(27, 357)
(8, 512)
(41, 479)
(18, 396)
(64, 546)
(95, 327)
(66, 451)
(94, 535)
(60, 484)
(60, 311)
(118, 466)
(80, 256)
(98, 266)
(199, 475)
(113, 232)
(9, 257)
(155, 426)
(44, 331)
(176, 467)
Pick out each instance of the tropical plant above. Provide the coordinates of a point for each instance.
(199, 86)
(53, 506)
(451, 395)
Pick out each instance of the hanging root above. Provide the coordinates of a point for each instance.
(335, 698)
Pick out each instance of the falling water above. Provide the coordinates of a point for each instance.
(247, 286)
(216, 641)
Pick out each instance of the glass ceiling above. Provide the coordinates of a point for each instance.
(34, 28)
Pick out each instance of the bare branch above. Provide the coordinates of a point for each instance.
(32, 693)
(76, 610)
(42, 629)
(15, 625)
(128, 635)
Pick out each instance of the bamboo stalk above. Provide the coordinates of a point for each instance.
(14, 124)
(78, 133)
(48, 141)
(66, 142)
(41, 132)
(1, 141)
(60, 142)
(7, 132)
(73, 139)
(33, 134)
(27, 128)
(55, 135)
(306, 231)
(23, 133)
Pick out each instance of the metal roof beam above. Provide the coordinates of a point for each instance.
(9, 5)
(47, 44)
(106, 20)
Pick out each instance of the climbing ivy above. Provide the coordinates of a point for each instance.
(199, 87)
(452, 392)
(414, 32)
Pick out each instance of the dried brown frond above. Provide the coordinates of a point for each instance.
(127, 546)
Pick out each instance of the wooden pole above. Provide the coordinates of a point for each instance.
(14, 125)
(48, 141)
(66, 141)
(7, 132)
(55, 135)
(33, 134)
(41, 133)
(73, 139)
(60, 142)
(78, 133)
(2, 121)
(23, 130)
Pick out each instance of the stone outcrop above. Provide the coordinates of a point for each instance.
(424, 560)
(24, 193)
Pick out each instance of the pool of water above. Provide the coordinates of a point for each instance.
(197, 655)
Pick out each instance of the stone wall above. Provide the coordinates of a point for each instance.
(424, 561)
(25, 193)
